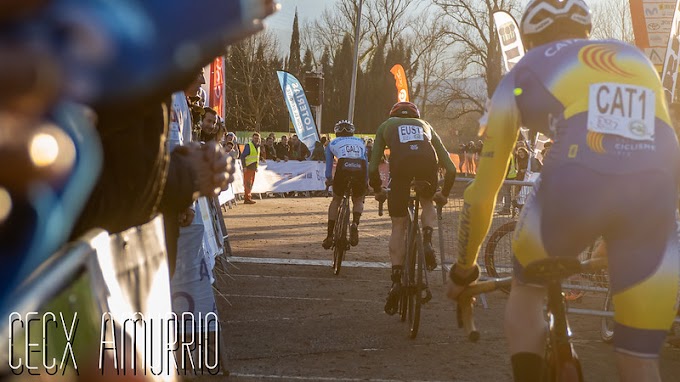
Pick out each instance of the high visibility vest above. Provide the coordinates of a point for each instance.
(253, 155)
(512, 171)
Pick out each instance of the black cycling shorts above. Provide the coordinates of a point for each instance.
(402, 172)
(354, 171)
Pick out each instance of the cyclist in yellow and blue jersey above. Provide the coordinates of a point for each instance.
(612, 172)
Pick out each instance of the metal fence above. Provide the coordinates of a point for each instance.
(585, 293)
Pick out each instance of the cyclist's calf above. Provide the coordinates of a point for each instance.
(397, 247)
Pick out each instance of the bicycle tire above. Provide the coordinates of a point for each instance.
(404, 299)
(607, 323)
(410, 269)
(497, 258)
(418, 287)
(340, 237)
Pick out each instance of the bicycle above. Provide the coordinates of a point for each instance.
(340, 240)
(415, 286)
(560, 355)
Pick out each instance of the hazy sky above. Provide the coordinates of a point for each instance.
(281, 23)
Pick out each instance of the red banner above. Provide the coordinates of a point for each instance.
(400, 79)
(217, 86)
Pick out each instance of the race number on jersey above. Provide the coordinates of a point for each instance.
(410, 133)
(352, 151)
(620, 109)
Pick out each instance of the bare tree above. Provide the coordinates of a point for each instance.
(613, 20)
(251, 81)
(473, 36)
(430, 51)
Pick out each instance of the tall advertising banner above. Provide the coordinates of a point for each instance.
(508, 34)
(400, 82)
(652, 27)
(216, 96)
(669, 74)
(298, 108)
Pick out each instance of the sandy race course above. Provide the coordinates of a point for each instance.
(287, 317)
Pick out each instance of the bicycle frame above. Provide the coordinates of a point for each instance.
(560, 354)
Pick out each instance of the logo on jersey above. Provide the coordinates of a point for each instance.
(594, 141)
(602, 58)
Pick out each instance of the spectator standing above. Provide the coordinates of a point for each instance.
(298, 150)
(470, 158)
(250, 160)
(479, 146)
(318, 154)
(269, 152)
(231, 137)
(461, 157)
(209, 129)
(229, 149)
(283, 149)
(369, 147)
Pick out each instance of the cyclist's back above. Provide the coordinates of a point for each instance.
(600, 100)
(350, 176)
(612, 172)
(416, 152)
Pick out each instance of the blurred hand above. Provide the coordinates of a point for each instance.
(329, 182)
(186, 217)
(440, 199)
(212, 167)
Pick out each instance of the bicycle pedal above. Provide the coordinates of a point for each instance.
(428, 296)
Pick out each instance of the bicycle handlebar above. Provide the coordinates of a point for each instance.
(465, 308)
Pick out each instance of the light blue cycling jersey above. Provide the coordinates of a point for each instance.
(344, 148)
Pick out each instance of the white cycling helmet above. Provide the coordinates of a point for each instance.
(544, 21)
(344, 126)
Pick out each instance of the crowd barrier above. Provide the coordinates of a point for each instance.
(286, 176)
(585, 293)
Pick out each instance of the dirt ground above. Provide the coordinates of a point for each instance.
(285, 316)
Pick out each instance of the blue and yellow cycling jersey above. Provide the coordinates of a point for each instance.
(612, 173)
(601, 101)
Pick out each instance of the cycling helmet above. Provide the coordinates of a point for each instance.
(344, 126)
(405, 110)
(544, 21)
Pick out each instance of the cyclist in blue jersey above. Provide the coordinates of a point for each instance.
(612, 172)
(353, 166)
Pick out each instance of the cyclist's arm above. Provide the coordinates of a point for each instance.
(329, 162)
(444, 161)
(376, 155)
(480, 196)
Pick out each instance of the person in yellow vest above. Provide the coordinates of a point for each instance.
(250, 159)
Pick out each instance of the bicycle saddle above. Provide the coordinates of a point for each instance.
(420, 185)
(552, 269)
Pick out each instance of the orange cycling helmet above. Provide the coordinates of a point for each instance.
(405, 110)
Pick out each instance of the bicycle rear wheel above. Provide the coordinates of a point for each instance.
(410, 271)
(404, 298)
(498, 254)
(340, 236)
(419, 285)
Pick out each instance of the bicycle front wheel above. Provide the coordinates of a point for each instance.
(607, 323)
(340, 236)
(498, 255)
